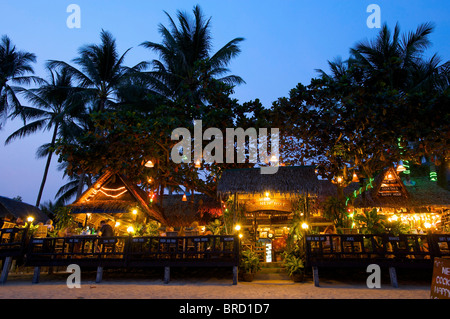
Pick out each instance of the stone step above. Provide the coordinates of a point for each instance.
(272, 277)
(272, 270)
(272, 265)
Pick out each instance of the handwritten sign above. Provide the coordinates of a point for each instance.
(440, 284)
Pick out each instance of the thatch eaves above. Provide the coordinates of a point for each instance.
(287, 180)
(424, 193)
(20, 209)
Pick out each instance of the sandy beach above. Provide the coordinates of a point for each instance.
(205, 284)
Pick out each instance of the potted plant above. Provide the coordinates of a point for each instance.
(249, 264)
(295, 267)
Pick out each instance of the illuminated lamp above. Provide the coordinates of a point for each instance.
(130, 230)
(237, 227)
(339, 179)
(30, 219)
(198, 164)
(400, 167)
(184, 198)
(355, 178)
(274, 160)
(149, 164)
(305, 226)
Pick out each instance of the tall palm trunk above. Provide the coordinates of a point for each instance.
(47, 166)
(81, 184)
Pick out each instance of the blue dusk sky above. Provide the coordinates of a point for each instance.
(285, 42)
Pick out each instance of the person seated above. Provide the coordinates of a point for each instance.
(20, 222)
(105, 230)
(49, 224)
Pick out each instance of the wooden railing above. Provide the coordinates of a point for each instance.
(128, 252)
(12, 245)
(403, 251)
(12, 241)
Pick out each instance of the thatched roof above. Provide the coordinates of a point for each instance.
(424, 193)
(287, 180)
(20, 209)
(200, 208)
(114, 194)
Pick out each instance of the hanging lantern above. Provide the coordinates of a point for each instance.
(184, 198)
(198, 164)
(355, 178)
(400, 167)
(149, 164)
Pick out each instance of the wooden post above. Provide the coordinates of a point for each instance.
(315, 270)
(98, 279)
(166, 274)
(36, 275)
(393, 276)
(5, 271)
(235, 275)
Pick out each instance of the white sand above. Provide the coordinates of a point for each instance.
(54, 287)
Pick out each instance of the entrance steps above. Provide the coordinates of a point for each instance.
(273, 272)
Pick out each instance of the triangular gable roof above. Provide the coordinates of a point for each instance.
(101, 199)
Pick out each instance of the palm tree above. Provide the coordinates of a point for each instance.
(101, 72)
(52, 111)
(186, 62)
(15, 67)
(393, 58)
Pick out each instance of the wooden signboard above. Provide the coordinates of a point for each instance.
(268, 204)
(440, 284)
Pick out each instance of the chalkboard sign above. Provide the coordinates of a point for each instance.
(440, 284)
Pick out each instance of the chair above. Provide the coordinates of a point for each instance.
(8, 225)
(172, 234)
(41, 231)
(191, 233)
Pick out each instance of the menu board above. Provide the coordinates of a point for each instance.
(440, 284)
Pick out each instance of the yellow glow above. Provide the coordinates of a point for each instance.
(149, 164)
(88, 215)
(267, 194)
(237, 227)
(134, 211)
(114, 190)
(117, 224)
(240, 235)
(427, 225)
(339, 179)
(198, 164)
(30, 219)
(305, 226)
(184, 198)
(130, 230)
